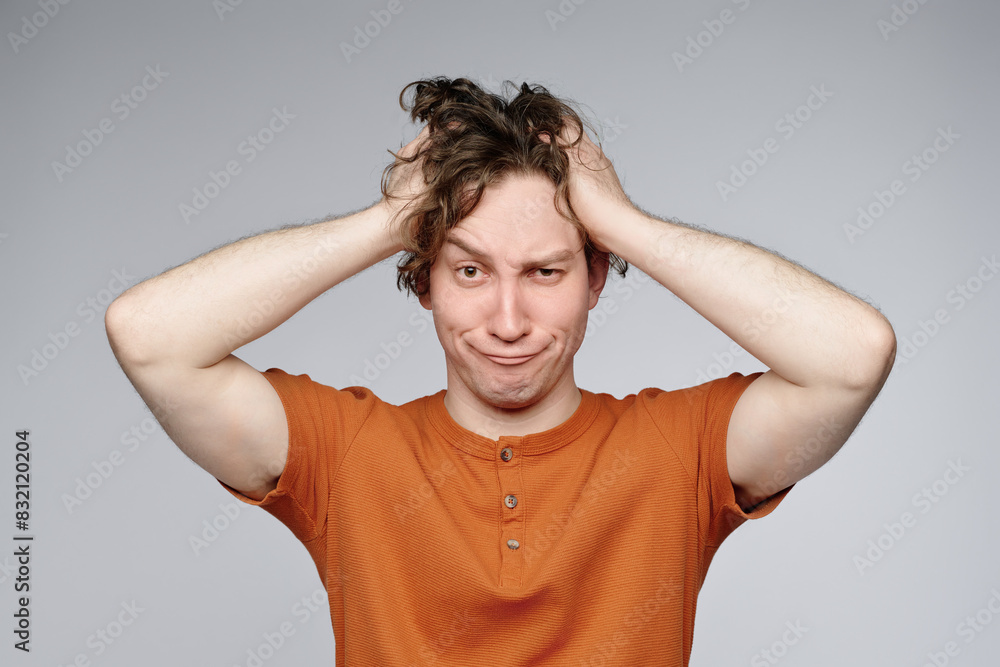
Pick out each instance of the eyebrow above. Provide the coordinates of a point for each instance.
(564, 255)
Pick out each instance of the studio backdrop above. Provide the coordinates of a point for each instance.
(857, 138)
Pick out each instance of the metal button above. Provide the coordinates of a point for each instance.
(510, 501)
(506, 453)
(513, 544)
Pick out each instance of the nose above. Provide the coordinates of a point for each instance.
(509, 320)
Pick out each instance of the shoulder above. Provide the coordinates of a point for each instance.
(698, 401)
(303, 385)
(312, 400)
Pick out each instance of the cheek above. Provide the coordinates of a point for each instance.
(569, 320)
(455, 317)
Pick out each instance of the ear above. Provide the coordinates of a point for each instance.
(424, 290)
(598, 272)
(425, 300)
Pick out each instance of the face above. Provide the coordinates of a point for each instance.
(510, 291)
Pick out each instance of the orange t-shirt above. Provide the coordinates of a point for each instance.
(585, 544)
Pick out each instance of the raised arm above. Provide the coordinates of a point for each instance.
(829, 353)
(174, 334)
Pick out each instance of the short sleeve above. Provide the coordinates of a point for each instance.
(322, 424)
(726, 514)
(695, 422)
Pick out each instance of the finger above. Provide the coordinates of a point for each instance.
(592, 151)
(411, 148)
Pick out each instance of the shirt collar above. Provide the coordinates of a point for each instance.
(528, 445)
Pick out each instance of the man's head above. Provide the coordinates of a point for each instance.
(493, 245)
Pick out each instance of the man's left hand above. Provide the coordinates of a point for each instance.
(595, 191)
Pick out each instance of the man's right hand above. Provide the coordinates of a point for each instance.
(406, 180)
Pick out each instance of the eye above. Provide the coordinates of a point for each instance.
(469, 271)
(546, 273)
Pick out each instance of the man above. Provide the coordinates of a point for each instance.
(512, 518)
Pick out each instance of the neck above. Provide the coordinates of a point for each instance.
(473, 414)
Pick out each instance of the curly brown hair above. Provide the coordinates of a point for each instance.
(477, 139)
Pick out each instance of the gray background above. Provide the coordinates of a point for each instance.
(673, 132)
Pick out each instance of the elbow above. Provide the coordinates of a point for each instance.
(120, 328)
(884, 348)
(875, 356)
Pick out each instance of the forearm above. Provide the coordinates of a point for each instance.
(198, 313)
(803, 328)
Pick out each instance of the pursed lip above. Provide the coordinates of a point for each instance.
(508, 361)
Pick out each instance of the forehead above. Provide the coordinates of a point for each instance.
(516, 215)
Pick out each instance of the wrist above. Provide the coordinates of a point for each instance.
(370, 230)
(612, 227)
(386, 219)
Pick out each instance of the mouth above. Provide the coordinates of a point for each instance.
(508, 361)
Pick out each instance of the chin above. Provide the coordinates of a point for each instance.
(508, 396)
(508, 403)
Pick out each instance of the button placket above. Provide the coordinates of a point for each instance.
(511, 533)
